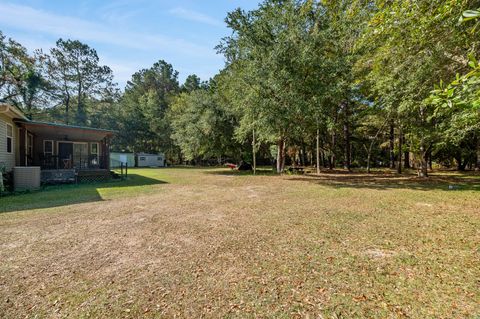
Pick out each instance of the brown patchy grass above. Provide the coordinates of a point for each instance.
(212, 243)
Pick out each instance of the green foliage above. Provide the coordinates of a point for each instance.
(202, 126)
(192, 83)
(406, 49)
(457, 104)
(367, 79)
(21, 79)
(277, 70)
(73, 70)
(142, 121)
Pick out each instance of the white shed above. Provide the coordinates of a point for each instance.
(150, 160)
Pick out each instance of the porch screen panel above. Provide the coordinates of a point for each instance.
(80, 155)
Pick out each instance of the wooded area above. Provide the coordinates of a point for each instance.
(337, 83)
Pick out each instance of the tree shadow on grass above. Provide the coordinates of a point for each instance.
(233, 172)
(68, 194)
(385, 181)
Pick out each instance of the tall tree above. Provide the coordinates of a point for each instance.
(11, 54)
(203, 127)
(272, 69)
(143, 122)
(73, 69)
(457, 104)
(192, 83)
(409, 47)
(21, 80)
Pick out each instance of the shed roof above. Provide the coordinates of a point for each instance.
(147, 154)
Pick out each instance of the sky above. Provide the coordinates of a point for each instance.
(128, 34)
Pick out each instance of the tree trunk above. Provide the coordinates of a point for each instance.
(422, 163)
(304, 158)
(368, 163)
(477, 157)
(422, 167)
(332, 154)
(392, 144)
(323, 157)
(346, 134)
(429, 154)
(254, 153)
(400, 149)
(406, 161)
(369, 152)
(332, 158)
(318, 152)
(281, 155)
(460, 164)
(81, 116)
(67, 109)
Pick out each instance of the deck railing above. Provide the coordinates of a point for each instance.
(85, 162)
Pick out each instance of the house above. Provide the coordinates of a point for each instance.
(119, 158)
(150, 160)
(61, 151)
(9, 135)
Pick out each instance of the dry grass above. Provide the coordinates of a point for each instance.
(211, 243)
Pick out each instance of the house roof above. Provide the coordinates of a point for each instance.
(67, 126)
(65, 132)
(54, 129)
(19, 117)
(12, 111)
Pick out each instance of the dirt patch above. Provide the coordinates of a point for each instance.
(376, 253)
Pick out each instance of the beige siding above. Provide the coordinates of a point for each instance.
(17, 146)
(8, 159)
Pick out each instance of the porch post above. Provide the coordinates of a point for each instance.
(107, 153)
(23, 146)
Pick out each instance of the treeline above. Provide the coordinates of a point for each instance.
(336, 83)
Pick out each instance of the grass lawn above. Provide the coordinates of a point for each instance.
(215, 243)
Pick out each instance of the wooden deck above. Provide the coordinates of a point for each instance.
(62, 176)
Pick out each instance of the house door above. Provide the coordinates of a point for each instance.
(80, 155)
(65, 155)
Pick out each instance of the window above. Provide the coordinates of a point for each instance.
(142, 158)
(159, 158)
(94, 148)
(9, 138)
(47, 148)
(94, 154)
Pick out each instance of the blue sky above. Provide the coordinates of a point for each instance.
(128, 34)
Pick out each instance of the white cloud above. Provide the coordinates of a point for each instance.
(121, 11)
(195, 16)
(123, 70)
(30, 19)
(124, 51)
